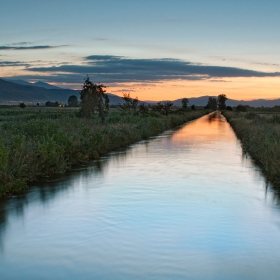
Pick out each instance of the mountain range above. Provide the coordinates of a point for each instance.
(14, 91)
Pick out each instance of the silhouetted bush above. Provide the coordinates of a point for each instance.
(241, 108)
(52, 104)
(73, 101)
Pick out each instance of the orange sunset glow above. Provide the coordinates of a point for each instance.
(235, 88)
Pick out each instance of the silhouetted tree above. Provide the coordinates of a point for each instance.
(130, 104)
(163, 108)
(22, 105)
(193, 107)
(212, 103)
(222, 98)
(185, 102)
(73, 101)
(158, 107)
(229, 108)
(167, 107)
(52, 104)
(93, 98)
(143, 109)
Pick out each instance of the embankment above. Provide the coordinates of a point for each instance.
(260, 137)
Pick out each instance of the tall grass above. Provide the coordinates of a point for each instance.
(260, 136)
(44, 143)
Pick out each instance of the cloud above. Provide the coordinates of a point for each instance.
(19, 44)
(110, 69)
(28, 48)
(100, 39)
(13, 63)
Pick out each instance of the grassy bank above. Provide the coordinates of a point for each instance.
(36, 143)
(260, 137)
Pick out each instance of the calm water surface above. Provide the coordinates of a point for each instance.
(184, 205)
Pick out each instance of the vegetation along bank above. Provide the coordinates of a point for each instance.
(260, 137)
(40, 142)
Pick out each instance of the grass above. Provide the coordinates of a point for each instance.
(260, 137)
(41, 142)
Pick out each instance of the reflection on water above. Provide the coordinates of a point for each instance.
(185, 205)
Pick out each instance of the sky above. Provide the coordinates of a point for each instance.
(156, 50)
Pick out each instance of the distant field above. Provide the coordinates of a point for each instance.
(8, 113)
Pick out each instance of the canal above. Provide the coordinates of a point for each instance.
(184, 205)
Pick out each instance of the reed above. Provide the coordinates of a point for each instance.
(41, 143)
(260, 137)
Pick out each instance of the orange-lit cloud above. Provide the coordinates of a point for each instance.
(149, 79)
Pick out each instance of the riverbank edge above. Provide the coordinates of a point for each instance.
(242, 131)
(20, 185)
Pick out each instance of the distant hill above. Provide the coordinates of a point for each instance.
(21, 91)
(202, 101)
(44, 85)
(37, 84)
(13, 92)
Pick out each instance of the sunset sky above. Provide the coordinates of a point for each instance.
(153, 49)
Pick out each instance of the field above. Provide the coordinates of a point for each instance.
(38, 142)
(259, 132)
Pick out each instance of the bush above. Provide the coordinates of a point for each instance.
(241, 108)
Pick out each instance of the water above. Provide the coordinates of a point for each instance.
(184, 205)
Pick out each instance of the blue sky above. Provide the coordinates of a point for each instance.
(36, 36)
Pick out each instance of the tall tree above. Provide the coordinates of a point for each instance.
(185, 102)
(212, 103)
(167, 107)
(222, 98)
(93, 98)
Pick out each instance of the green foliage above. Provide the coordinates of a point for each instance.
(52, 104)
(37, 143)
(185, 102)
(212, 103)
(73, 101)
(274, 119)
(4, 157)
(130, 104)
(222, 98)
(93, 98)
(250, 115)
(163, 107)
(260, 137)
(241, 108)
(143, 109)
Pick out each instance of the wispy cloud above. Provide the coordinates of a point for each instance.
(28, 47)
(100, 39)
(110, 69)
(20, 44)
(13, 63)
